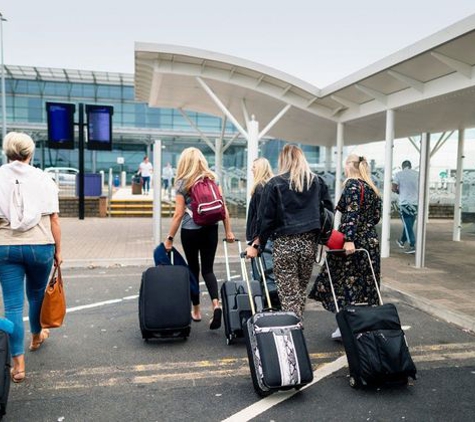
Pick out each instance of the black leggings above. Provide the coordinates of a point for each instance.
(202, 242)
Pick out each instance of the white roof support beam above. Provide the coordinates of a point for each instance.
(222, 107)
(245, 113)
(414, 83)
(346, 103)
(230, 142)
(414, 144)
(441, 141)
(376, 95)
(193, 125)
(460, 67)
(274, 121)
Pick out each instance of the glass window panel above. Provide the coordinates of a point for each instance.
(128, 92)
(103, 91)
(33, 87)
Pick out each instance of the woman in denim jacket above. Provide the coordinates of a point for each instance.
(289, 213)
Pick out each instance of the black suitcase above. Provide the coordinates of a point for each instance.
(277, 351)
(164, 302)
(235, 300)
(375, 344)
(5, 368)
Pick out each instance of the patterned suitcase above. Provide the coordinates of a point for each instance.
(276, 350)
(375, 344)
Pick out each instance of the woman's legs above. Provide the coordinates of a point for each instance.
(38, 264)
(190, 242)
(12, 275)
(293, 263)
(209, 244)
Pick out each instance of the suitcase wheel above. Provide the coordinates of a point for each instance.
(353, 382)
(230, 339)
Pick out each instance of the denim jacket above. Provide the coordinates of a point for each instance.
(283, 211)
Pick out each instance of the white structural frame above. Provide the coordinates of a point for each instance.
(428, 87)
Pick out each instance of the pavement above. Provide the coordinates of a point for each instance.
(445, 287)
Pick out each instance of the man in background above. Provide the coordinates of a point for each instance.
(145, 171)
(406, 184)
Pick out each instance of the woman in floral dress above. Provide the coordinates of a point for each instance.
(360, 205)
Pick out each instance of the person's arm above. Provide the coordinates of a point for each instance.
(56, 231)
(180, 209)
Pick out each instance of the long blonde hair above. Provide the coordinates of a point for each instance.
(359, 169)
(262, 173)
(292, 160)
(191, 166)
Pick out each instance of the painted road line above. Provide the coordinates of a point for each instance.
(265, 404)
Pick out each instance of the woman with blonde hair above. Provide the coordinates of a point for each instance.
(262, 172)
(199, 242)
(289, 213)
(360, 206)
(30, 241)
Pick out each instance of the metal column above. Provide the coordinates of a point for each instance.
(388, 165)
(157, 192)
(252, 152)
(458, 186)
(423, 204)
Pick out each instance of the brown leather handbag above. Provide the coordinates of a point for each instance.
(53, 308)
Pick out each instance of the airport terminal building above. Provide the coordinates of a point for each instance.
(135, 125)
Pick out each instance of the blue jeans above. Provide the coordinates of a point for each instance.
(146, 183)
(19, 263)
(408, 219)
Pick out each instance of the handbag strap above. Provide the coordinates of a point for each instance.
(58, 278)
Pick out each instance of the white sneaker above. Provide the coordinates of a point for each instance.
(336, 335)
(400, 244)
(411, 250)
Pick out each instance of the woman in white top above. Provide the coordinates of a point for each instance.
(30, 241)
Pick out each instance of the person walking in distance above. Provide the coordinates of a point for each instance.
(145, 171)
(406, 184)
(30, 242)
(199, 242)
(167, 180)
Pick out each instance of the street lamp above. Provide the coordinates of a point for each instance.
(4, 107)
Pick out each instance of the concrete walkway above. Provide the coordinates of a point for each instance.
(445, 288)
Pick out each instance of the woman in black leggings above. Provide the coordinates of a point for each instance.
(199, 242)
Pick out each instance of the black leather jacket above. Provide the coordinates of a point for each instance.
(283, 211)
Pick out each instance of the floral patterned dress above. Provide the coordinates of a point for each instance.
(352, 278)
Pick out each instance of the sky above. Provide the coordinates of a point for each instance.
(317, 41)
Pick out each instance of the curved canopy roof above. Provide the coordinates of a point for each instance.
(430, 85)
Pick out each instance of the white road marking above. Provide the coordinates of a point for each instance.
(265, 404)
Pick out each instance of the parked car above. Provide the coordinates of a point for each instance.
(63, 176)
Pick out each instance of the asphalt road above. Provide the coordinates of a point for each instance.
(98, 368)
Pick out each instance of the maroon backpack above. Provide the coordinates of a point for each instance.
(207, 205)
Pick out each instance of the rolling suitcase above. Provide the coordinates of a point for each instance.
(164, 302)
(276, 349)
(235, 300)
(375, 344)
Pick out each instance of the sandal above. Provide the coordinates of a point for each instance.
(14, 375)
(215, 322)
(36, 344)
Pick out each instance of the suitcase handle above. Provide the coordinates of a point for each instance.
(339, 251)
(243, 256)
(226, 256)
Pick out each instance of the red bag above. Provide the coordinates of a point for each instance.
(207, 204)
(336, 241)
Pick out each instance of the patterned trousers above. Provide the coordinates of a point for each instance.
(294, 256)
